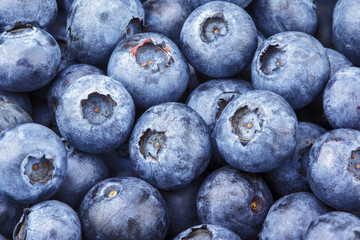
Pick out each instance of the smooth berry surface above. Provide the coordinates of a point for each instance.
(151, 67)
(12, 115)
(341, 99)
(256, 132)
(275, 16)
(218, 39)
(123, 208)
(20, 71)
(35, 12)
(292, 64)
(95, 114)
(346, 30)
(233, 199)
(207, 232)
(170, 145)
(290, 216)
(48, 220)
(290, 177)
(33, 163)
(94, 27)
(334, 169)
(334, 225)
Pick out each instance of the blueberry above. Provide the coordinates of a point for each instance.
(29, 59)
(209, 99)
(333, 169)
(83, 172)
(207, 232)
(291, 176)
(166, 16)
(345, 29)
(218, 39)
(95, 27)
(290, 216)
(275, 16)
(95, 114)
(334, 225)
(12, 115)
(337, 61)
(10, 213)
(66, 77)
(151, 67)
(236, 200)
(292, 64)
(241, 3)
(33, 163)
(170, 145)
(341, 99)
(48, 220)
(20, 99)
(181, 206)
(256, 132)
(35, 12)
(123, 208)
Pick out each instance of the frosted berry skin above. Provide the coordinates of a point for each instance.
(95, 114)
(64, 78)
(292, 64)
(170, 145)
(345, 29)
(210, 98)
(12, 115)
(219, 39)
(234, 199)
(334, 169)
(337, 61)
(334, 225)
(275, 16)
(290, 177)
(20, 99)
(151, 67)
(94, 27)
(33, 163)
(123, 208)
(207, 232)
(241, 3)
(341, 99)
(29, 58)
(38, 13)
(256, 132)
(166, 16)
(290, 216)
(84, 171)
(48, 220)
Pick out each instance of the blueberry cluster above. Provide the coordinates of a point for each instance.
(179, 119)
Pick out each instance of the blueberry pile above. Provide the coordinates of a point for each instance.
(179, 119)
